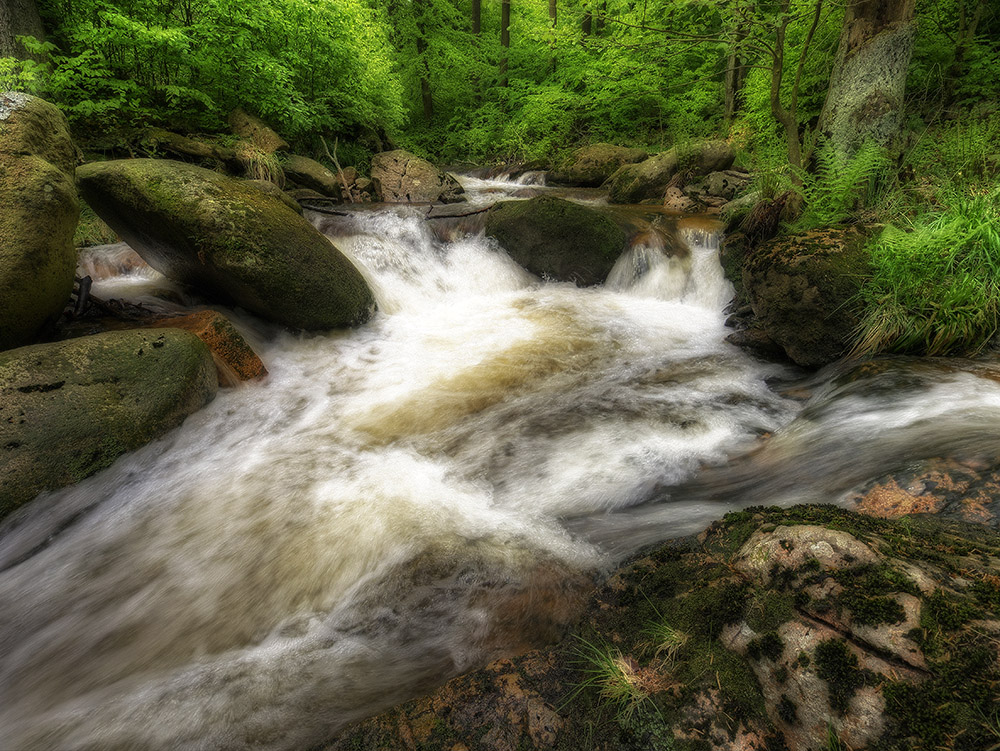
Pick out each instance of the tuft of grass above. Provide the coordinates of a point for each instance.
(619, 679)
(259, 164)
(935, 285)
(664, 639)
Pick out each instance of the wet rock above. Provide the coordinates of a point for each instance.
(803, 291)
(722, 184)
(69, 409)
(229, 240)
(703, 642)
(251, 128)
(557, 239)
(590, 166)
(39, 210)
(401, 177)
(235, 359)
(311, 174)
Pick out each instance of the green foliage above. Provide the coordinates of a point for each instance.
(839, 186)
(935, 287)
(617, 678)
(310, 66)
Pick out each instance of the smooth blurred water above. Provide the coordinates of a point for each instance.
(401, 502)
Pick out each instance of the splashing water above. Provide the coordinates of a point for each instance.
(394, 505)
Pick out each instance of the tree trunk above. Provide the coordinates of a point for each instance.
(587, 24)
(504, 38)
(477, 16)
(18, 18)
(553, 14)
(735, 73)
(865, 99)
(427, 100)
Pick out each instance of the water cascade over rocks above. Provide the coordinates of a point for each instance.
(404, 501)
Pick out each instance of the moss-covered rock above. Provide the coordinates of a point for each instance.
(803, 291)
(69, 409)
(38, 215)
(229, 240)
(557, 239)
(681, 650)
(251, 128)
(591, 165)
(401, 177)
(235, 359)
(649, 179)
(311, 174)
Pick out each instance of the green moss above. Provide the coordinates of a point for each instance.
(787, 710)
(838, 666)
(767, 646)
(872, 611)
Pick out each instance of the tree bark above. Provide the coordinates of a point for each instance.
(553, 16)
(425, 72)
(477, 16)
(864, 102)
(504, 39)
(18, 18)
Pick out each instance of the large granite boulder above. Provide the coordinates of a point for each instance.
(38, 215)
(803, 291)
(591, 165)
(401, 177)
(800, 629)
(229, 240)
(649, 179)
(557, 239)
(69, 409)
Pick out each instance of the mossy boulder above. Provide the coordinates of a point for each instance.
(229, 240)
(648, 180)
(69, 409)
(311, 174)
(803, 291)
(235, 359)
(401, 177)
(557, 239)
(698, 645)
(38, 216)
(591, 165)
(251, 128)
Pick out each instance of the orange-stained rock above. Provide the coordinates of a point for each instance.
(235, 360)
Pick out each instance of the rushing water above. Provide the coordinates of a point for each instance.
(400, 502)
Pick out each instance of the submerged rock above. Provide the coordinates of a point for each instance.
(401, 177)
(872, 633)
(557, 239)
(590, 166)
(229, 240)
(803, 291)
(69, 409)
(38, 216)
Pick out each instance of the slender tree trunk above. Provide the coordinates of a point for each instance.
(425, 81)
(477, 16)
(504, 39)
(865, 99)
(553, 17)
(735, 74)
(18, 18)
(587, 24)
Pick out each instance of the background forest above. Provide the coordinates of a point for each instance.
(526, 81)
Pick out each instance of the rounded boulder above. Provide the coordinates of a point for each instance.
(557, 239)
(229, 240)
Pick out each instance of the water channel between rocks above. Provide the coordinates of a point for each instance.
(399, 503)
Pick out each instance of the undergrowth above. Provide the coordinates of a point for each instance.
(935, 285)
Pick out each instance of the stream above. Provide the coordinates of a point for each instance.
(402, 502)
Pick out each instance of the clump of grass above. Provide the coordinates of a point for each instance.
(935, 285)
(664, 639)
(92, 230)
(619, 679)
(259, 164)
